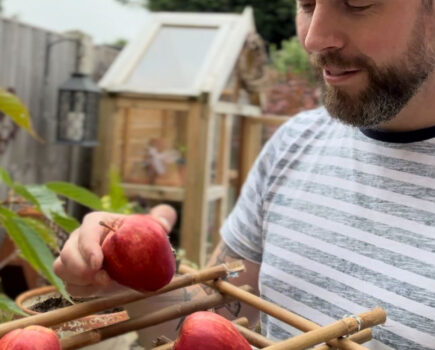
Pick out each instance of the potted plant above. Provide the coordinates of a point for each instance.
(47, 298)
(34, 218)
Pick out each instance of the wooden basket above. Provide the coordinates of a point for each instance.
(346, 333)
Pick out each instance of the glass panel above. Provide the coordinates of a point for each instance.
(174, 59)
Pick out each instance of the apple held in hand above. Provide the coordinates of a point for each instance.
(30, 338)
(138, 254)
(208, 331)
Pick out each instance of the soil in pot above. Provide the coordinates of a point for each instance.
(47, 298)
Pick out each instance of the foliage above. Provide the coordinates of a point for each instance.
(274, 19)
(291, 58)
(119, 43)
(14, 108)
(35, 235)
(8, 309)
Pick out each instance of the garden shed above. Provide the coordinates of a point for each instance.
(158, 125)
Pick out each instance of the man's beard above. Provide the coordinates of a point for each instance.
(389, 88)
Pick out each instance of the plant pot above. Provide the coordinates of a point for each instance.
(34, 296)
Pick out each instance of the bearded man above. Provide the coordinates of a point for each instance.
(338, 213)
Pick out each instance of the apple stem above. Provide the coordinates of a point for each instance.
(102, 223)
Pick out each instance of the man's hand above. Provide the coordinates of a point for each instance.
(81, 259)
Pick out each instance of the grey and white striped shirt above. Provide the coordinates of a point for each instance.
(342, 221)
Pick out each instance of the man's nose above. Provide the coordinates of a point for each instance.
(324, 32)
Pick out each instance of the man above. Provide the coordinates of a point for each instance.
(338, 213)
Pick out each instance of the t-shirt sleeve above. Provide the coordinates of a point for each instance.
(242, 230)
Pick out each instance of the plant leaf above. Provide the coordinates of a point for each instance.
(8, 305)
(43, 231)
(76, 193)
(118, 200)
(5, 177)
(15, 109)
(32, 247)
(46, 200)
(67, 223)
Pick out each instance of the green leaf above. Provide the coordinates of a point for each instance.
(7, 305)
(67, 223)
(118, 200)
(45, 232)
(32, 247)
(15, 109)
(4, 176)
(46, 200)
(76, 193)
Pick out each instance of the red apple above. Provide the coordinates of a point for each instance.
(30, 338)
(208, 331)
(138, 254)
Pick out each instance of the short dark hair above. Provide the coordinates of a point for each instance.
(428, 4)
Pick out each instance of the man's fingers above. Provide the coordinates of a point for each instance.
(165, 214)
(71, 263)
(92, 235)
(71, 277)
(102, 285)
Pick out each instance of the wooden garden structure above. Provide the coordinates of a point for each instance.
(158, 124)
(346, 333)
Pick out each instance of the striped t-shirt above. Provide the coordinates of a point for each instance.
(341, 221)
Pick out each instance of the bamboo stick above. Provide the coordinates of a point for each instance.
(254, 338)
(72, 312)
(361, 337)
(261, 342)
(151, 319)
(337, 329)
(275, 311)
(240, 322)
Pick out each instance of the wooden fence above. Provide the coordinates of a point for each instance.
(22, 68)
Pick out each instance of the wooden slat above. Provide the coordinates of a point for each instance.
(250, 147)
(161, 193)
(195, 208)
(154, 104)
(108, 152)
(223, 174)
(250, 111)
(216, 192)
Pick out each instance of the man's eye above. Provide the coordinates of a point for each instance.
(307, 5)
(357, 8)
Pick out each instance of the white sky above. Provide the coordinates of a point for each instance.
(105, 20)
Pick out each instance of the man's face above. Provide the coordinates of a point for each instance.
(372, 55)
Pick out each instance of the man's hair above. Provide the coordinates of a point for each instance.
(428, 4)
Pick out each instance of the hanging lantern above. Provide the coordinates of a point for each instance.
(78, 106)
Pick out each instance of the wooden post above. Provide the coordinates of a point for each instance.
(250, 147)
(195, 205)
(108, 152)
(223, 169)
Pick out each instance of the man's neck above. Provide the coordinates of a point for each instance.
(418, 114)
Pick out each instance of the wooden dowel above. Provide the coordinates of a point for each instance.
(72, 312)
(275, 311)
(261, 342)
(254, 338)
(337, 329)
(151, 319)
(240, 322)
(361, 337)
